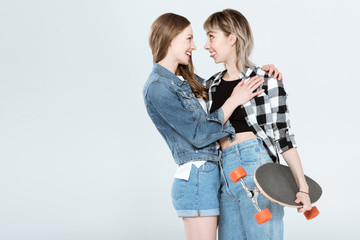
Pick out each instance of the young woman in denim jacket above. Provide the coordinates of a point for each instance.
(262, 129)
(175, 101)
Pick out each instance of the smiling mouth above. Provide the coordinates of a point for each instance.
(188, 53)
(212, 54)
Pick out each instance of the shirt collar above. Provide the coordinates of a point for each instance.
(246, 73)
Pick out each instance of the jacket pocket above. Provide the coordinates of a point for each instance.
(188, 100)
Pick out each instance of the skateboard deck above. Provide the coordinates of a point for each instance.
(276, 182)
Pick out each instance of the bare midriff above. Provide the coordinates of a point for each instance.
(239, 137)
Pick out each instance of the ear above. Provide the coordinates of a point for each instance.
(232, 39)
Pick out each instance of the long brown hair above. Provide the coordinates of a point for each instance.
(164, 29)
(232, 21)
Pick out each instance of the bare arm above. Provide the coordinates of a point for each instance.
(285, 140)
(292, 159)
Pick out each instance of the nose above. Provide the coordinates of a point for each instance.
(207, 45)
(193, 47)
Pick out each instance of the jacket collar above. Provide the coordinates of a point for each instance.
(166, 73)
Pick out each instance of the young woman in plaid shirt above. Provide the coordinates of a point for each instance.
(262, 129)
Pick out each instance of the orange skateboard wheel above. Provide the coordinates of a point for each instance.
(237, 174)
(310, 214)
(263, 216)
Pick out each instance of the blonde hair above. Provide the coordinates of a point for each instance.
(164, 29)
(233, 22)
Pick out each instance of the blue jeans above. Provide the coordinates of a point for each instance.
(237, 212)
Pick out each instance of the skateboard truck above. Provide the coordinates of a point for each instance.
(264, 215)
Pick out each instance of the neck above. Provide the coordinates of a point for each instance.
(232, 72)
(169, 65)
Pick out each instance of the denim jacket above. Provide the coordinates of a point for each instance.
(189, 132)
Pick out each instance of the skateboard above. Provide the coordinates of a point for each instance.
(277, 183)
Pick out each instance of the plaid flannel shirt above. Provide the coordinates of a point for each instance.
(267, 113)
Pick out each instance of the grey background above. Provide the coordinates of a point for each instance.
(79, 157)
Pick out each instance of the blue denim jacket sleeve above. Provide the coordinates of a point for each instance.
(199, 133)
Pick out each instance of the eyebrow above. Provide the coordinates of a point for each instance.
(209, 32)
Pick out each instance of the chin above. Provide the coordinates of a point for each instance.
(217, 61)
(185, 63)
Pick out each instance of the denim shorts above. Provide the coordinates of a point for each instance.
(199, 195)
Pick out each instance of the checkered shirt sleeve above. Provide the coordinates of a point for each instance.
(283, 136)
(272, 113)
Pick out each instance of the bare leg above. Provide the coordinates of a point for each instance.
(200, 228)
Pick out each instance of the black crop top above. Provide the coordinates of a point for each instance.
(222, 93)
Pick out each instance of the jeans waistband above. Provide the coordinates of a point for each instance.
(241, 146)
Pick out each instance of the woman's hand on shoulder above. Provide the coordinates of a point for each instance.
(244, 91)
(270, 68)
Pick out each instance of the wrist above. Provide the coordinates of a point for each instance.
(231, 102)
(303, 186)
(303, 192)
